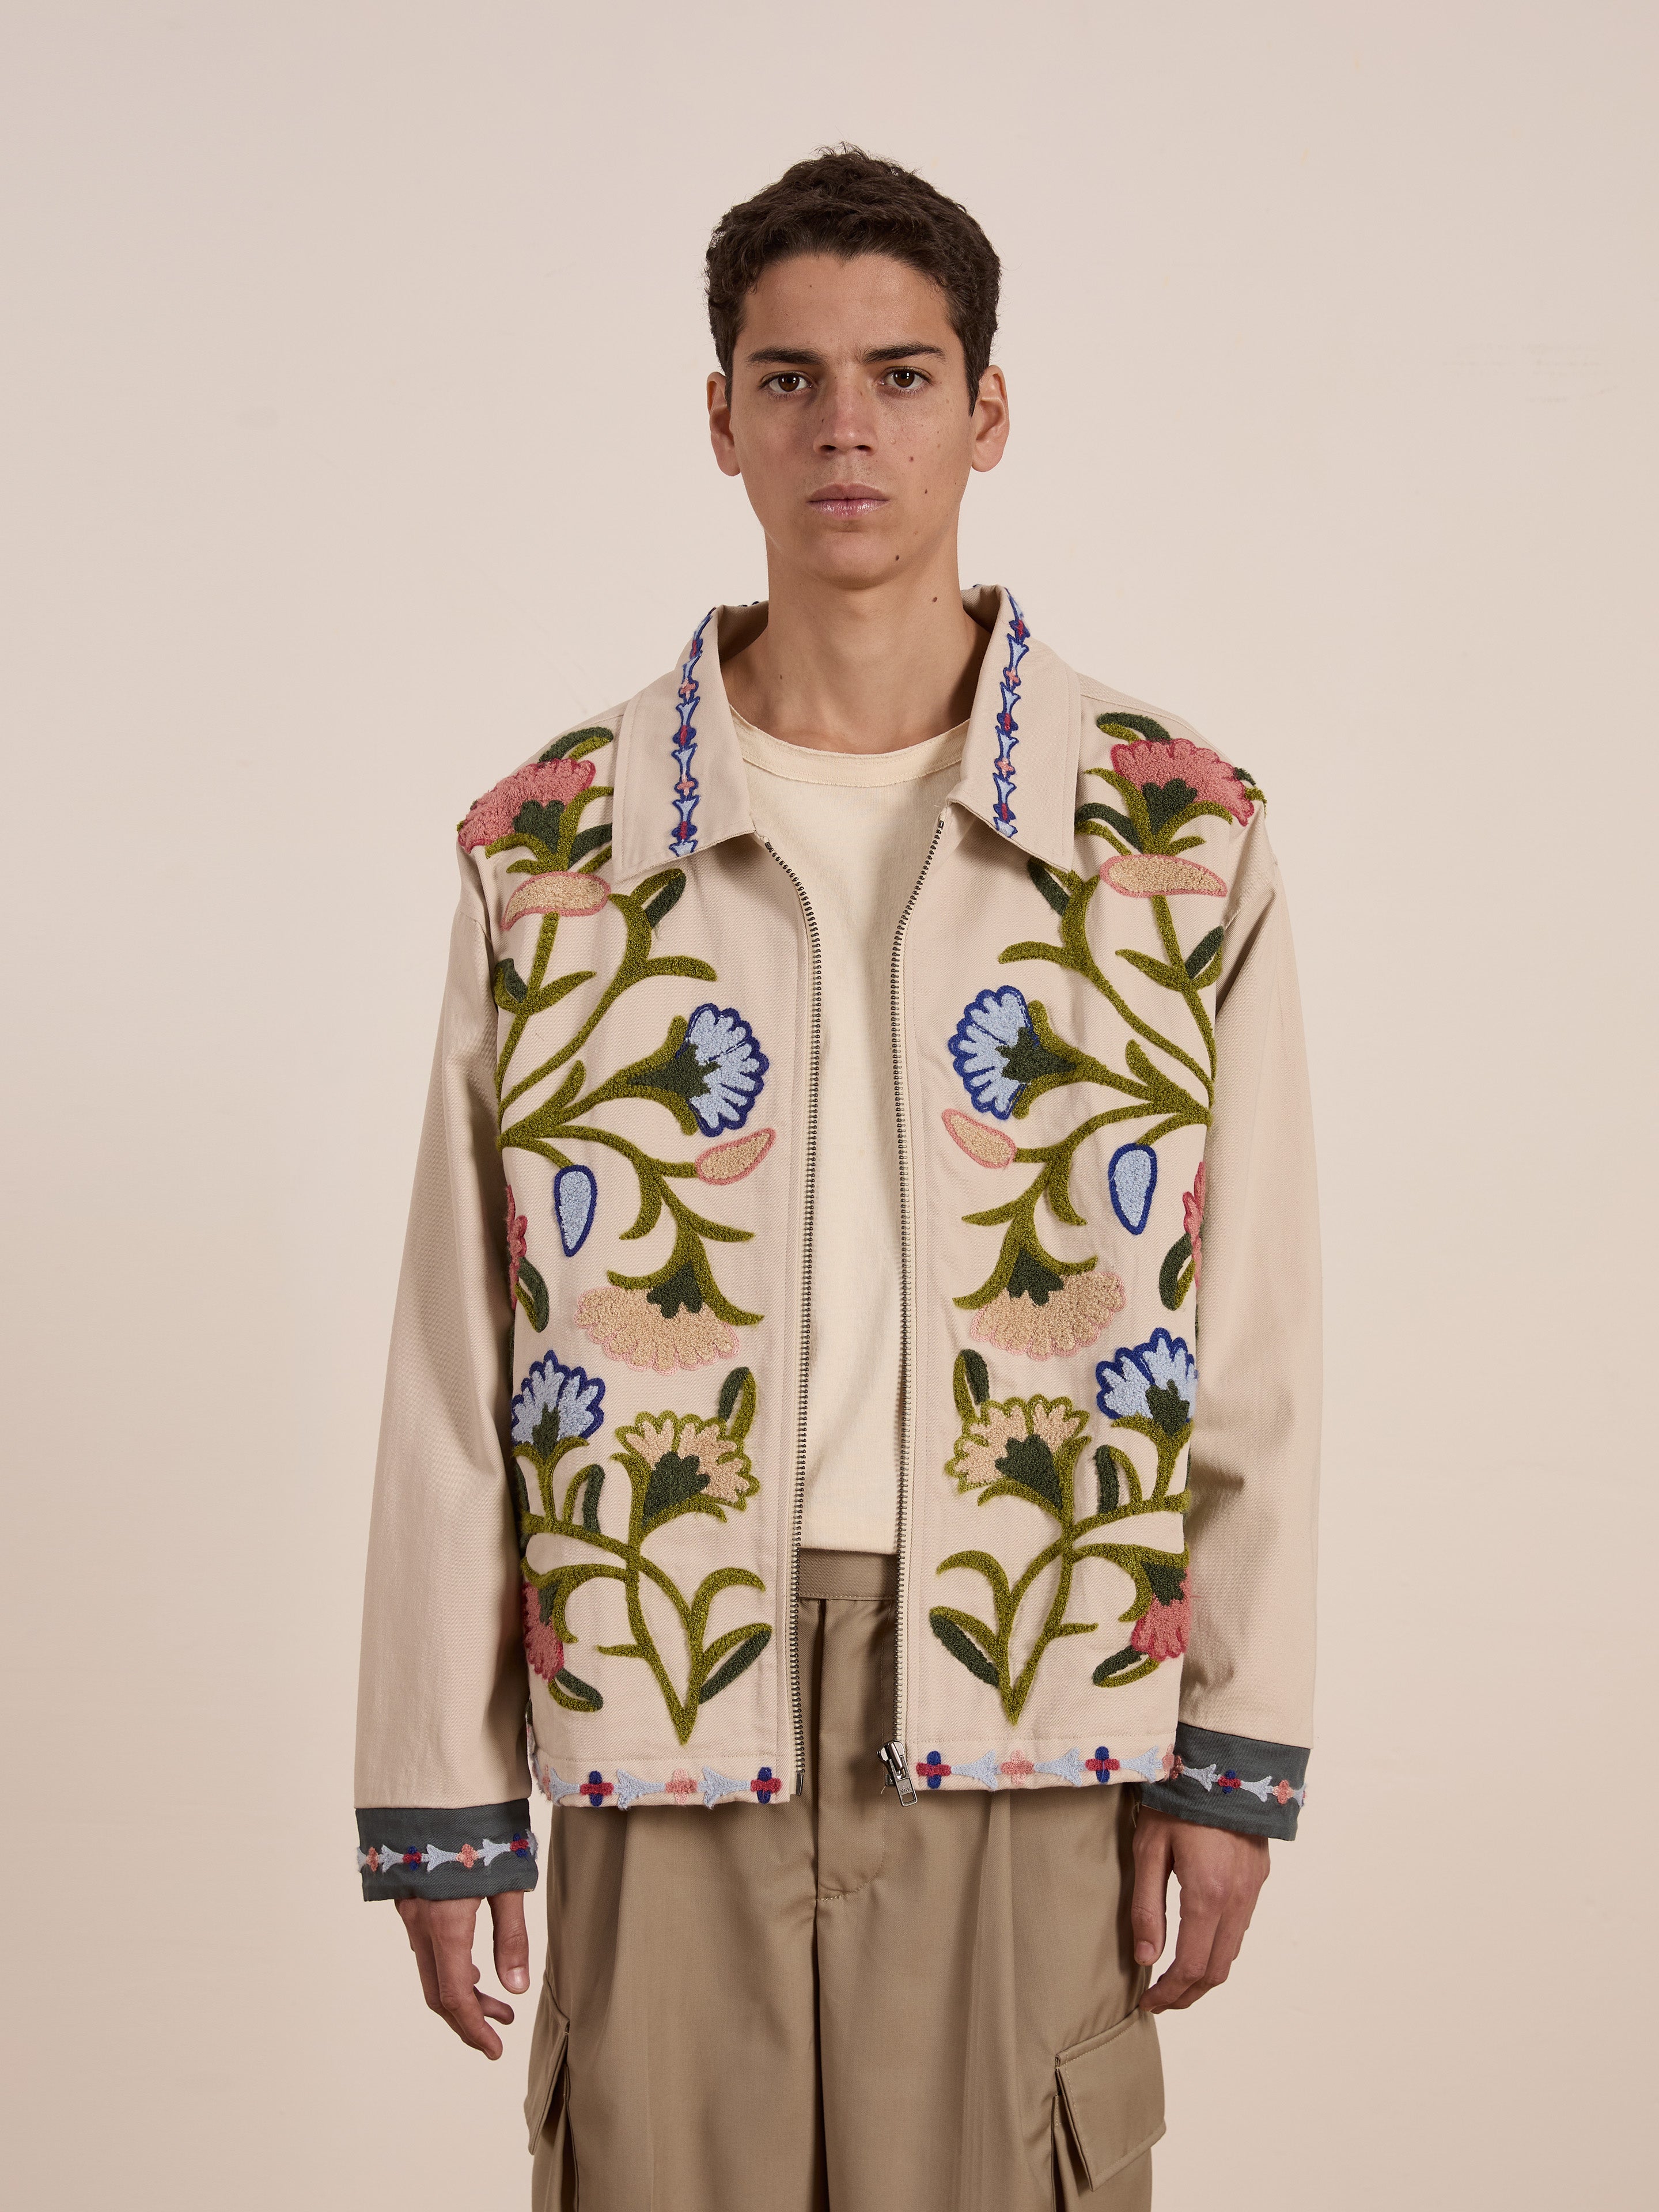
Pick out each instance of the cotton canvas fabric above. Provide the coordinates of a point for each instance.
(844, 2002)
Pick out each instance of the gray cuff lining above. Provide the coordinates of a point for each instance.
(1238, 1782)
(446, 1850)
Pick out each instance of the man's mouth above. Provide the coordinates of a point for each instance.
(846, 501)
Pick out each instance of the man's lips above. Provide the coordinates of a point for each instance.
(848, 499)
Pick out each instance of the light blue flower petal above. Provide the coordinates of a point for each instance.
(574, 1194)
(990, 1026)
(1132, 1177)
(1123, 1386)
(575, 1399)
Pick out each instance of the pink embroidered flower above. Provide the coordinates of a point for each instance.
(517, 1242)
(625, 1323)
(682, 1785)
(1160, 875)
(1019, 1770)
(1283, 1791)
(723, 1470)
(1191, 1220)
(468, 1857)
(985, 1147)
(1019, 1437)
(737, 1156)
(560, 891)
(1177, 760)
(548, 783)
(1161, 1631)
(542, 1648)
(1070, 1317)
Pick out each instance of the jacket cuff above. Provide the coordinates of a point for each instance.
(468, 1850)
(1239, 1782)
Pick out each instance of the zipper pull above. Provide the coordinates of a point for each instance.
(893, 1760)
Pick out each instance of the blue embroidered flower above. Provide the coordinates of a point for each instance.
(574, 1194)
(718, 1068)
(1155, 1382)
(556, 1405)
(997, 1053)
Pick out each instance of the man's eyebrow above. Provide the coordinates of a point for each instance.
(802, 357)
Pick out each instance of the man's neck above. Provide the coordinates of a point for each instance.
(861, 672)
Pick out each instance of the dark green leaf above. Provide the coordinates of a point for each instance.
(532, 1294)
(1170, 1288)
(1203, 952)
(589, 841)
(972, 1383)
(1106, 1470)
(736, 1404)
(590, 1499)
(670, 1482)
(1125, 829)
(963, 1647)
(1166, 1576)
(1114, 721)
(733, 1664)
(578, 1693)
(508, 987)
(660, 902)
(1044, 880)
(1116, 1664)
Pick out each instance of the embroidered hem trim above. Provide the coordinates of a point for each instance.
(1241, 1782)
(446, 1852)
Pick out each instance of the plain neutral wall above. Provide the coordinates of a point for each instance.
(353, 444)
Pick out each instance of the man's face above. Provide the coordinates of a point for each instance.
(847, 417)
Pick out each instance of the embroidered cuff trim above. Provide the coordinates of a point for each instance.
(470, 1850)
(1240, 1782)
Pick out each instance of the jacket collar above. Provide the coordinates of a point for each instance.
(681, 786)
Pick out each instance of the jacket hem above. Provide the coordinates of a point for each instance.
(446, 1852)
(1237, 1781)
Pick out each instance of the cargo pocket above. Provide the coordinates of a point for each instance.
(1111, 2089)
(547, 2044)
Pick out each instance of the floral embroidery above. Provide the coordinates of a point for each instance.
(682, 838)
(525, 1282)
(1175, 777)
(1028, 1449)
(427, 1858)
(562, 890)
(575, 1193)
(1103, 1765)
(1005, 1054)
(1280, 1789)
(985, 1147)
(1153, 1386)
(1162, 1630)
(1131, 1178)
(534, 791)
(713, 1065)
(1177, 1276)
(1160, 875)
(652, 1329)
(676, 1464)
(1002, 770)
(543, 1648)
(734, 1158)
(1045, 1318)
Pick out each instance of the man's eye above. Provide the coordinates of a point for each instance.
(787, 380)
(907, 380)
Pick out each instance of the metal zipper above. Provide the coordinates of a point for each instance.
(791, 1623)
(894, 1759)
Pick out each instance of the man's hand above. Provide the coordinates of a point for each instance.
(440, 1936)
(1220, 1873)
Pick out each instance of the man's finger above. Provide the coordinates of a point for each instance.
(512, 1941)
(414, 1918)
(458, 1992)
(1183, 1977)
(1146, 1907)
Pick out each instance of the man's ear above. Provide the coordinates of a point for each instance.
(990, 419)
(719, 424)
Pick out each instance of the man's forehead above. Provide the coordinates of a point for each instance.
(859, 306)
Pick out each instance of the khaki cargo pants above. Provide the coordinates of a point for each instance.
(839, 2003)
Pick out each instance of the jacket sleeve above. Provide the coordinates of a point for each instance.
(1246, 1716)
(442, 1781)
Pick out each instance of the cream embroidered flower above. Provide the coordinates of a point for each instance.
(687, 1457)
(627, 1325)
(1069, 1318)
(1017, 1440)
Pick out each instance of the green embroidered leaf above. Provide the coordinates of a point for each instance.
(745, 1656)
(1175, 1277)
(508, 986)
(1166, 1576)
(1044, 880)
(736, 1404)
(589, 841)
(1106, 1474)
(672, 1480)
(538, 822)
(1117, 724)
(1203, 952)
(972, 1383)
(576, 1695)
(1159, 970)
(668, 896)
(576, 741)
(1028, 1461)
(591, 1498)
(961, 1646)
(1028, 1279)
(1127, 1657)
(532, 1294)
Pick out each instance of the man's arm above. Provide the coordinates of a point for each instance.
(442, 1781)
(1247, 1686)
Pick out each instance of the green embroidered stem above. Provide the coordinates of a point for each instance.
(1052, 1184)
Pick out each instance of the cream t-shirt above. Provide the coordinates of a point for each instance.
(855, 827)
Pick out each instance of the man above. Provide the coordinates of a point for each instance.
(870, 1085)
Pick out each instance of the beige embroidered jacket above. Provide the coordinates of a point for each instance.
(588, 1506)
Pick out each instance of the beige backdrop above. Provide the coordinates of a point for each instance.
(353, 444)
